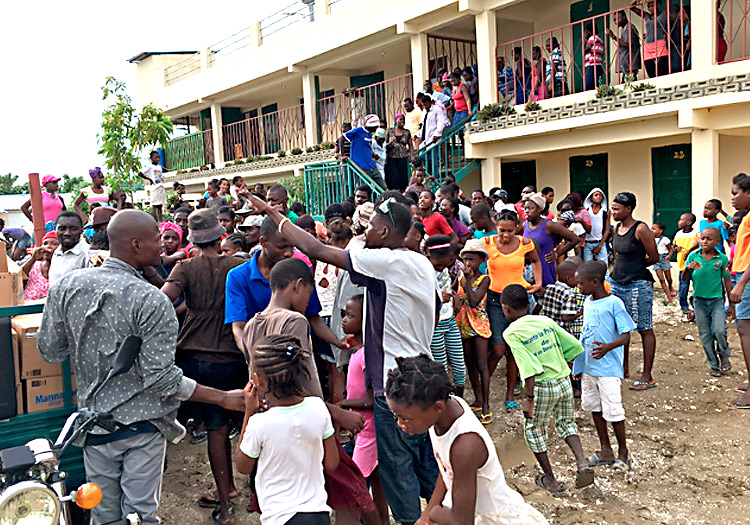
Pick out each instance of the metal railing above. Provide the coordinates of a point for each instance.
(384, 99)
(602, 49)
(265, 134)
(286, 17)
(186, 67)
(190, 151)
(333, 181)
(449, 54)
(448, 155)
(231, 44)
(732, 38)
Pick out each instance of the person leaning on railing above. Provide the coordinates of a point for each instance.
(557, 81)
(628, 46)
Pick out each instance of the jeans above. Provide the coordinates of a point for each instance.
(684, 290)
(589, 255)
(711, 321)
(593, 76)
(376, 177)
(458, 116)
(638, 298)
(406, 464)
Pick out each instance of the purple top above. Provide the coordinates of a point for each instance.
(459, 228)
(545, 244)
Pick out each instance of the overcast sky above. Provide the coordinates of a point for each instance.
(56, 56)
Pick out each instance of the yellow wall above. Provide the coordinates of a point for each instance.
(733, 159)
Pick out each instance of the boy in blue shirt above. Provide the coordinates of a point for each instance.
(711, 211)
(606, 329)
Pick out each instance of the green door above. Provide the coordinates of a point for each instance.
(581, 11)
(235, 139)
(671, 167)
(515, 176)
(370, 98)
(588, 172)
(270, 120)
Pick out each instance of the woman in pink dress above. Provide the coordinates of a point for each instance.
(538, 72)
(37, 268)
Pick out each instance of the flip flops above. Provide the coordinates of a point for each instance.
(475, 409)
(211, 500)
(740, 403)
(594, 461)
(510, 406)
(584, 477)
(622, 466)
(541, 485)
(486, 419)
(640, 386)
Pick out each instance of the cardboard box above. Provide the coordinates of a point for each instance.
(45, 393)
(11, 280)
(31, 364)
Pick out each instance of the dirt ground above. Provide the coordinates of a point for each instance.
(687, 449)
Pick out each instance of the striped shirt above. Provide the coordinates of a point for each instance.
(557, 59)
(595, 51)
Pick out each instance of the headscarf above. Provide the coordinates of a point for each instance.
(49, 235)
(168, 225)
(539, 200)
(588, 202)
(93, 172)
(398, 116)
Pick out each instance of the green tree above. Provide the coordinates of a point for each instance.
(126, 133)
(295, 188)
(73, 185)
(8, 185)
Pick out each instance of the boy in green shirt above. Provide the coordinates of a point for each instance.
(708, 269)
(542, 351)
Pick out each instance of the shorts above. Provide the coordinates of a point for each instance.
(552, 399)
(158, 195)
(346, 486)
(638, 297)
(602, 394)
(663, 264)
(498, 322)
(742, 309)
(222, 376)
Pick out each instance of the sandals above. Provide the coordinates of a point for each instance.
(486, 419)
(475, 409)
(594, 461)
(739, 403)
(541, 485)
(726, 368)
(218, 519)
(715, 373)
(211, 500)
(622, 466)
(584, 477)
(640, 386)
(510, 406)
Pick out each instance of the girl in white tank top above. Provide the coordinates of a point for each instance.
(420, 394)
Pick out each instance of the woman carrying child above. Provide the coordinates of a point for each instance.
(474, 325)
(471, 487)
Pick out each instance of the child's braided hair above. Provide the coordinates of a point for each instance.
(281, 360)
(418, 380)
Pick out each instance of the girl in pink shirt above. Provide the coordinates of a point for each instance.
(359, 399)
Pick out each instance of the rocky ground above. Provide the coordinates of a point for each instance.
(691, 464)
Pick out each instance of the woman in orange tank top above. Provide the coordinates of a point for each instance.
(508, 255)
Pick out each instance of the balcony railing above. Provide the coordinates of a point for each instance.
(732, 36)
(279, 22)
(186, 67)
(384, 99)
(603, 49)
(190, 151)
(265, 134)
(449, 54)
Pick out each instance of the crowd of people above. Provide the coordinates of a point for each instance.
(347, 343)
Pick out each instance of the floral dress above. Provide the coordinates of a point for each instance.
(473, 322)
(37, 287)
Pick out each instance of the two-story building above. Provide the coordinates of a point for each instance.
(278, 90)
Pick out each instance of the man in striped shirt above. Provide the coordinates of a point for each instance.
(593, 58)
(556, 78)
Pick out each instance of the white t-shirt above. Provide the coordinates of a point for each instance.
(662, 245)
(400, 306)
(579, 230)
(154, 174)
(288, 443)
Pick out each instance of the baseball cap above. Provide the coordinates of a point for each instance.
(500, 194)
(380, 133)
(335, 210)
(252, 221)
(49, 178)
(372, 121)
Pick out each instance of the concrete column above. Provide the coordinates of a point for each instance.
(705, 167)
(218, 134)
(486, 28)
(204, 58)
(311, 109)
(322, 8)
(420, 62)
(256, 37)
(490, 173)
(703, 34)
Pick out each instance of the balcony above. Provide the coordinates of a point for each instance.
(190, 151)
(266, 134)
(605, 49)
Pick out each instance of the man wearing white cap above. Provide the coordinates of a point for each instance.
(378, 151)
(362, 151)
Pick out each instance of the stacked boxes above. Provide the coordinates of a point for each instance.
(41, 383)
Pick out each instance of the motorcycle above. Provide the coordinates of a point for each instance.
(32, 486)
